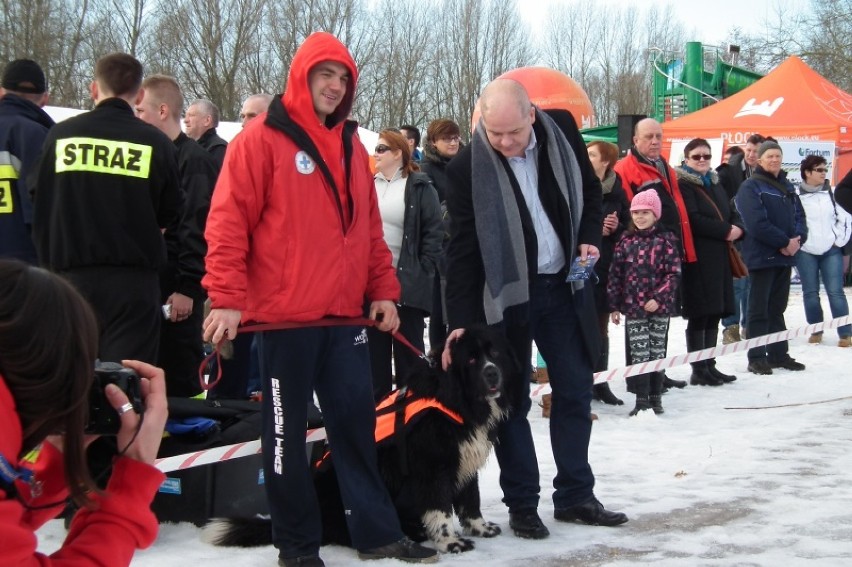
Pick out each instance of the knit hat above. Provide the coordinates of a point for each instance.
(647, 200)
(24, 76)
(766, 146)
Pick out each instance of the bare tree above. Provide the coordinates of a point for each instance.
(206, 44)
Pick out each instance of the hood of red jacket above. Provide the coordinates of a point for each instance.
(317, 48)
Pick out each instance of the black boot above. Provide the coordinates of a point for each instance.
(669, 383)
(656, 398)
(642, 386)
(710, 338)
(700, 374)
(602, 393)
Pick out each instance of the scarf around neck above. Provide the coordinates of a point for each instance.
(498, 219)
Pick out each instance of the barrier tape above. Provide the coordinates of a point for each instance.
(223, 453)
(228, 452)
(704, 354)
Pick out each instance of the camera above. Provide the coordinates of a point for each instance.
(103, 418)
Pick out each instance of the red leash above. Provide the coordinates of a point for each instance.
(327, 322)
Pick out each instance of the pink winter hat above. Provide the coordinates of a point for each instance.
(647, 200)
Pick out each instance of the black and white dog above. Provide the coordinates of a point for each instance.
(430, 463)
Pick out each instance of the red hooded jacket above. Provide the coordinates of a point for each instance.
(107, 536)
(637, 176)
(294, 232)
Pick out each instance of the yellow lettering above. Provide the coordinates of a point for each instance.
(103, 156)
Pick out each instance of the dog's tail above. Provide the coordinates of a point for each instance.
(238, 532)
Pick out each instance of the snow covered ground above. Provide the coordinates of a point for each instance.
(704, 484)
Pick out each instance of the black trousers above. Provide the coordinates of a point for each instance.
(126, 302)
(384, 348)
(768, 292)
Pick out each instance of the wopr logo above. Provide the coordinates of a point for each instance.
(765, 108)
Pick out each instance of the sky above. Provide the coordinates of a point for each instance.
(708, 22)
(722, 478)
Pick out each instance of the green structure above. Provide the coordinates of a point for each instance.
(681, 84)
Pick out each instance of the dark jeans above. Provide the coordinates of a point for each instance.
(383, 348)
(769, 290)
(555, 327)
(333, 361)
(740, 314)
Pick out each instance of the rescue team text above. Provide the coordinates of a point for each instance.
(103, 156)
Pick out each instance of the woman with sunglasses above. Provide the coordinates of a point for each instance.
(708, 288)
(411, 219)
(443, 141)
(48, 343)
(821, 256)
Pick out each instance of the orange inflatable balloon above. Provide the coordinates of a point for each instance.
(549, 88)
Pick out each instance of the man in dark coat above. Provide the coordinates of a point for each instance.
(23, 127)
(181, 348)
(201, 121)
(534, 207)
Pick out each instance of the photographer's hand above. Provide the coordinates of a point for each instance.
(142, 445)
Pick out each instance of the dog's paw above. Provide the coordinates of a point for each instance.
(456, 545)
(478, 527)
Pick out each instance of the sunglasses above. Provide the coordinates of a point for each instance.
(820, 169)
(381, 148)
(699, 157)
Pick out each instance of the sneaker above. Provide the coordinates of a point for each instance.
(526, 524)
(303, 561)
(815, 338)
(405, 550)
(844, 342)
(788, 363)
(759, 366)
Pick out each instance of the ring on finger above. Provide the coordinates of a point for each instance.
(125, 408)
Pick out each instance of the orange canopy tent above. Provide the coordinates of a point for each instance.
(793, 102)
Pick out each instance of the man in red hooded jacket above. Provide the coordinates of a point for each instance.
(294, 235)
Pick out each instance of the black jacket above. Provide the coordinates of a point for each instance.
(732, 175)
(465, 271)
(23, 128)
(421, 242)
(214, 144)
(185, 242)
(843, 192)
(103, 188)
(707, 288)
(613, 202)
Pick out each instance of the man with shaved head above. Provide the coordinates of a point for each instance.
(253, 106)
(181, 348)
(525, 203)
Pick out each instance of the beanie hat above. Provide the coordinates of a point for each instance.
(766, 146)
(647, 200)
(24, 76)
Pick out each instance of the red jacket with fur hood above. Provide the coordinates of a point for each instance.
(294, 232)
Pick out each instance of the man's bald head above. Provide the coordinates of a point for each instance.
(508, 116)
(648, 138)
(500, 94)
(254, 105)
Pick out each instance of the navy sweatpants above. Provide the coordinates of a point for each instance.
(334, 362)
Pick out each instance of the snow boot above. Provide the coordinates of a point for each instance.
(656, 398)
(642, 387)
(700, 374)
(602, 393)
(710, 341)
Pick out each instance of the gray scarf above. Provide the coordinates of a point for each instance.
(498, 219)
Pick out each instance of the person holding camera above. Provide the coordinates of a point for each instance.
(48, 343)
